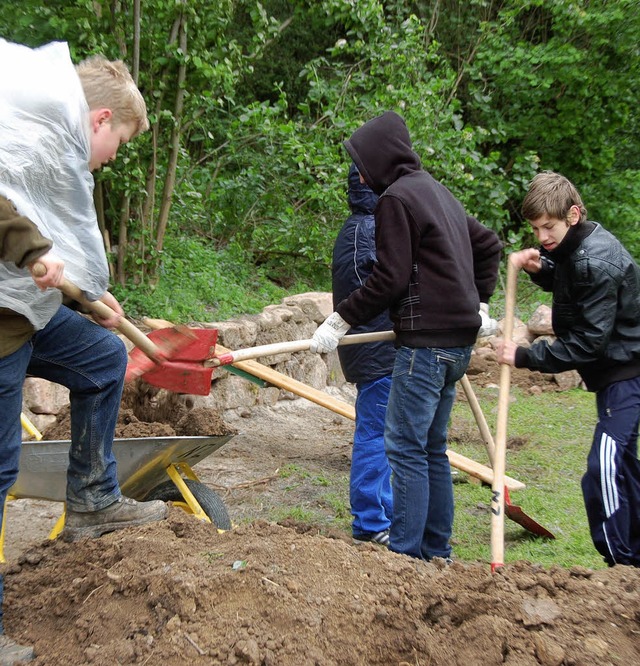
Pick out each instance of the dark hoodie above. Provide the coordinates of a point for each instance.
(436, 264)
(354, 256)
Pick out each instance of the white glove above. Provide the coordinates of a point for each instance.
(488, 326)
(329, 334)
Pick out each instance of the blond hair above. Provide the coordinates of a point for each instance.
(108, 84)
(551, 194)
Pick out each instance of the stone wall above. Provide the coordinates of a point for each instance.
(296, 318)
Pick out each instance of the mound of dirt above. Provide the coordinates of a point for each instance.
(291, 594)
(177, 592)
(150, 412)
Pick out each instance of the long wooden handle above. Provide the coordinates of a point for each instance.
(478, 414)
(323, 399)
(499, 462)
(125, 327)
(295, 346)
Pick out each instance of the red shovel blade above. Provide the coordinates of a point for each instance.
(201, 348)
(516, 514)
(181, 377)
(166, 345)
(176, 344)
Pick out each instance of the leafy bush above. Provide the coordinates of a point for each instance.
(200, 283)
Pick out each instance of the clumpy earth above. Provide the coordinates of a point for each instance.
(290, 593)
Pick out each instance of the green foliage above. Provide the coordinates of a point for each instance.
(200, 283)
(615, 201)
(250, 103)
(558, 79)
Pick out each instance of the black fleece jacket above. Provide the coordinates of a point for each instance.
(436, 264)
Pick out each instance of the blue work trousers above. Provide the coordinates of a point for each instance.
(90, 361)
(611, 484)
(422, 394)
(370, 479)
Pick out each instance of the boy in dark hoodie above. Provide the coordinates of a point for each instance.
(436, 269)
(369, 367)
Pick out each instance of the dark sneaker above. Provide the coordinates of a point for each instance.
(377, 537)
(124, 512)
(12, 652)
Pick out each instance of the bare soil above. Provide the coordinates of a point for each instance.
(293, 593)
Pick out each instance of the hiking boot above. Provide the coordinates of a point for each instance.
(124, 512)
(12, 652)
(377, 537)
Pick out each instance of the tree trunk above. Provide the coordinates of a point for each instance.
(169, 183)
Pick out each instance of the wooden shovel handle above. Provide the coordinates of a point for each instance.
(295, 346)
(499, 462)
(125, 327)
(478, 414)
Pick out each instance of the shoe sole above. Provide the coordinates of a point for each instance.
(377, 543)
(71, 534)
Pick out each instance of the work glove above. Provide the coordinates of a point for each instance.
(329, 334)
(488, 326)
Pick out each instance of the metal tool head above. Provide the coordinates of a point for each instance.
(184, 370)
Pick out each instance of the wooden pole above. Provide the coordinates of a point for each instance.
(499, 462)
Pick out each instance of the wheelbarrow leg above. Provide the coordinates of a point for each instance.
(192, 495)
(191, 501)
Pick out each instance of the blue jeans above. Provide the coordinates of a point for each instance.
(90, 361)
(370, 479)
(422, 394)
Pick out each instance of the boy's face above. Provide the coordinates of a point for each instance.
(550, 231)
(106, 138)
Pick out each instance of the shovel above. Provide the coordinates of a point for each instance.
(295, 346)
(497, 487)
(151, 354)
(512, 511)
(190, 370)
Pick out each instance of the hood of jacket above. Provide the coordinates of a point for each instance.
(382, 151)
(361, 198)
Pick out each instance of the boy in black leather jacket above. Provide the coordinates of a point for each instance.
(596, 318)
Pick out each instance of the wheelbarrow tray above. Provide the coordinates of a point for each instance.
(142, 464)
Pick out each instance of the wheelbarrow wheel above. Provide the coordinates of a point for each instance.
(208, 499)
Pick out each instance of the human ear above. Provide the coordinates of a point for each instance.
(99, 117)
(573, 216)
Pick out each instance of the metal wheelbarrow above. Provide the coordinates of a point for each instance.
(148, 468)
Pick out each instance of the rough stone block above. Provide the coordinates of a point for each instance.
(236, 333)
(44, 397)
(317, 305)
(540, 322)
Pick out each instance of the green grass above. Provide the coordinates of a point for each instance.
(549, 436)
(554, 431)
(198, 283)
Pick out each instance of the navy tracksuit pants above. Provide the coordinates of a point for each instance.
(611, 484)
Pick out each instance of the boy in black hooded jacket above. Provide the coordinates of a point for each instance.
(437, 268)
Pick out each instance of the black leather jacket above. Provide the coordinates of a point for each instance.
(596, 309)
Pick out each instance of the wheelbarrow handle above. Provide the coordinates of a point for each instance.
(295, 346)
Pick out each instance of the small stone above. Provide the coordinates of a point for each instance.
(597, 647)
(548, 652)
